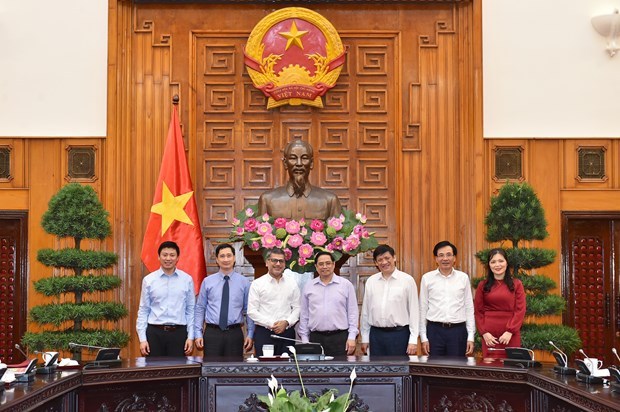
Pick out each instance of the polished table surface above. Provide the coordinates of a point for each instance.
(26, 396)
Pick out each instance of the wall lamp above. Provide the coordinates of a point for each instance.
(608, 26)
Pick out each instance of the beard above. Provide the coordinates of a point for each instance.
(299, 183)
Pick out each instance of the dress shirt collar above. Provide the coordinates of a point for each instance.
(396, 275)
(162, 273)
(291, 190)
(445, 276)
(335, 279)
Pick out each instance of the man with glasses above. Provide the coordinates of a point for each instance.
(389, 323)
(329, 310)
(273, 304)
(447, 323)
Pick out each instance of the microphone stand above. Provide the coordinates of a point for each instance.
(102, 353)
(48, 367)
(561, 358)
(304, 356)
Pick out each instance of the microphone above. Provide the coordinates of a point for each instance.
(79, 345)
(303, 356)
(19, 348)
(615, 353)
(583, 353)
(562, 354)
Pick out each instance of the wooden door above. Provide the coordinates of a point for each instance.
(13, 281)
(590, 281)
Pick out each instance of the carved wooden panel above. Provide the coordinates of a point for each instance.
(5, 162)
(589, 289)
(242, 141)
(13, 281)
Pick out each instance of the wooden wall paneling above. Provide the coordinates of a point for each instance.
(45, 180)
(17, 157)
(570, 160)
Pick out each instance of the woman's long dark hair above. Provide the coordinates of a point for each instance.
(491, 279)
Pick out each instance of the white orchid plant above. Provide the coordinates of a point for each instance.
(279, 400)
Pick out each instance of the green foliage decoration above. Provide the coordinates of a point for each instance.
(537, 337)
(71, 284)
(76, 258)
(58, 313)
(516, 214)
(524, 258)
(60, 339)
(76, 212)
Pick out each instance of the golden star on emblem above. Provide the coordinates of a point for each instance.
(293, 36)
(171, 208)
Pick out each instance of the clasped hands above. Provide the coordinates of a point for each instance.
(491, 340)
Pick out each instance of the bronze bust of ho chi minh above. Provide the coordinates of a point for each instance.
(298, 198)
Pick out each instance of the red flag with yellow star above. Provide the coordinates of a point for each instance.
(174, 215)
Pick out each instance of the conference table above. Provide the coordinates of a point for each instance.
(382, 384)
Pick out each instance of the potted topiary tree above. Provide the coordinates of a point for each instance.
(76, 212)
(516, 215)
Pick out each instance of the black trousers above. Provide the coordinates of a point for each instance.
(389, 342)
(447, 341)
(333, 344)
(223, 342)
(262, 336)
(166, 343)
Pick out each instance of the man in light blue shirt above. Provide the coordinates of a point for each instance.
(222, 334)
(165, 322)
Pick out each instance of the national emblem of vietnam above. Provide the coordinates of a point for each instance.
(294, 55)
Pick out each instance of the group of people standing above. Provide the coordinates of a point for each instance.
(443, 316)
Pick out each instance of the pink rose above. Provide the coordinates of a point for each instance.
(278, 243)
(335, 223)
(265, 217)
(249, 212)
(318, 238)
(303, 231)
(292, 227)
(358, 229)
(239, 231)
(251, 224)
(330, 247)
(317, 225)
(295, 241)
(305, 251)
(268, 241)
(236, 221)
(302, 261)
(279, 223)
(263, 229)
(255, 245)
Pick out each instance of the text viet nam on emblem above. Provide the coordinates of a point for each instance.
(294, 56)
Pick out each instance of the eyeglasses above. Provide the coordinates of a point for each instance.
(447, 255)
(277, 261)
(325, 264)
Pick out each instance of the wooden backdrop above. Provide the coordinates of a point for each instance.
(395, 140)
(400, 137)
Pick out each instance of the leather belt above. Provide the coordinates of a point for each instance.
(167, 328)
(233, 326)
(329, 332)
(445, 324)
(392, 328)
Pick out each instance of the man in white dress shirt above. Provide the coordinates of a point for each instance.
(447, 322)
(389, 323)
(273, 304)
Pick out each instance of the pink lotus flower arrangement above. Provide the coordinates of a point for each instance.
(302, 239)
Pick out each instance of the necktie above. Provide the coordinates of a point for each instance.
(224, 304)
